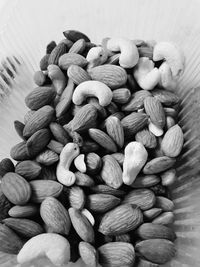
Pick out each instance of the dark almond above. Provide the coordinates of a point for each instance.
(147, 138)
(105, 189)
(164, 203)
(56, 53)
(5, 205)
(19, 127)
(50, 46)
(44, 62)
(55, 146)
(75, 35)
(101, 203)
(19, 152)
(82, 179)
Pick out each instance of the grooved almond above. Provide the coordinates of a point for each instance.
(164, 203)
(121, 95)
(68, 59)
(82, 179)
(101, 202)
(102, 139)
(113, 76)
(40, 119)
(93, 163)
(19, 127)
(145, 181)
(78, 47)
(147, 138)
(166, 97)
(136, 101)
(56, 53)
(16, 188)
(120, 220)
(28, 169)
(59, 133)
(75, 35)
(78, 74)
(158, 165)
(154, 109)
(111, 172)
(23, 211)
(105, 189)
(88, 254)
(77, 197)
(115, 130)
(19, 152)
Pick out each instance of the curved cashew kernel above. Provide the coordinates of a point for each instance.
(155, 130)
(92, 88)
(80, 163)
(166, 79)
(58, 78)
(129, 53)
(168, 177)
(89, 216)
(64, 175)
(145, 74)
(96, 56)
(135, 158)
(53, 246)
(172, 55)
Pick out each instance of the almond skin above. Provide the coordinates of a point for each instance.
(20, 152)
(101, 203)
(55, 216)
(142, 181)
(23, 211)
(16, 188)
(59, 133)
(93, 163)
(75, 35)
(56, 53)
(40, 119)
(68, 59)
(78, 47)
(115, 130)
(120, 220)
(167, 98)
(88, 254)
(117, 254)
(172, 142)
(136, 101)
(78, 74)
(158, 165)
(28, 169)
(147, 138)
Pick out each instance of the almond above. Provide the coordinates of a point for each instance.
(121, 96)
(164, 203)
(101, 203)
(55, 216)
(9, 241)
(56, 53)
(50, 47)
(166, 97)
(143, 198)
(6, 165)
(115, 130)
(89, 146)
(145, 181)
(40, 97)
(55, 146)
(16, 188)
(136, 101)
(123, 238)
(153, 231)
(19, 152)
(28, 115)
(158, 165)
(154, 109)
(133, 123)
(24, 227)
(19, 127)
(75, 35)
(93, 163)
(156, 250)
(111, 172)
(119, 158)
(28, 169)
(68, 59)
(88, 254)
(144, 263)
(23, 211)
(120, 220)
(102, 113)
(83, 179)
(78, 74)
(172, 142)
(81, 225)
(105, 189)
(165, 218)
(38, 141)
(117, 254)
(59, 133)
(113, 76)
(5, 205)
(40, 119)
(44, 62)
(77, 197)
(47, 157)
(147, 138)
(85, 118)
(102, 139)
(44, 188)
(78, 47)
(152, 213)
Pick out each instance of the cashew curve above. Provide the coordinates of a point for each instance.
(145, 74)
(58, 78)
(64, 175)
(53, 246)
(96, 56)
(92, 88)
(167, 81)
(155, 129)
(79, 163)
(129, 53)
(172, 55)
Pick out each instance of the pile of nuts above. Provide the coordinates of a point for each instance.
(98, 153)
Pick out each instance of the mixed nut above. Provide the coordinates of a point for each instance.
(98, 153)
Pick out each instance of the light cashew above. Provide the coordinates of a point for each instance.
(96, 56)
(167, 81)
(58, 78)
(53, 246)
(155, 129)
(89, 216)
(79, 163)
(67, 155)
(135, 158)
(172, 55)
(90, 89)
(145, 74)
(129, 53)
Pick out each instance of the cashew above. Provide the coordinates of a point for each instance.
(168, 177)
(64, 175)
(167, 81)
(172, 55)
(58, 78)
(53, 246)
(129, 53)
(155, 129)
(135, 158)
(80, 163)
(96, 56)
(89, 216)
(92, 88)
(145, 74)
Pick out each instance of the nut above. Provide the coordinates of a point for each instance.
(77, 197)
(101, 203)
(68, 59)
(78, 74)
(28, 169)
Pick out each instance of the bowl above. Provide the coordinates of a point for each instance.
(26, 28)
